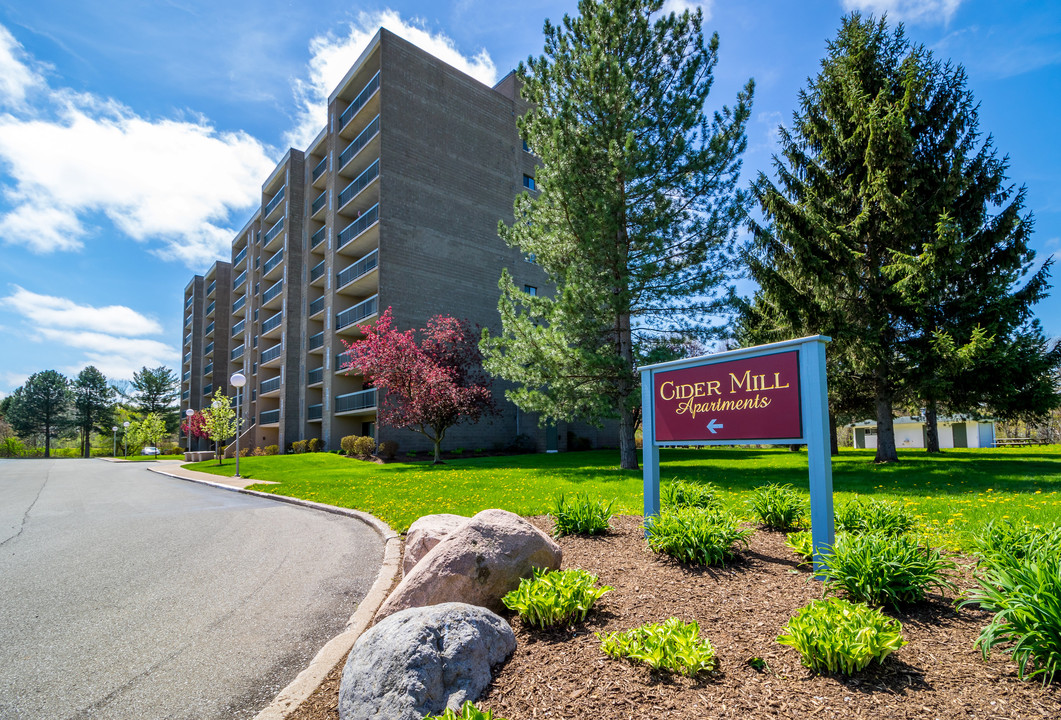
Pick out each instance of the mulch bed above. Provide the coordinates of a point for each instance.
(741, 608)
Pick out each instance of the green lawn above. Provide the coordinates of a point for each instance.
(954, 493)
(152, 458)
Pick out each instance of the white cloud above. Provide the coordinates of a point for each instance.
(680, 6)
(332, 56)
(16, 77)
(170, 183)
(49, 311)
(915, 11)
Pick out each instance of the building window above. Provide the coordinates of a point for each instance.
(526, 147)
(530, 289)
(528, 182)
(532, 258)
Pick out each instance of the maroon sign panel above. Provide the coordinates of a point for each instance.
(752, 399)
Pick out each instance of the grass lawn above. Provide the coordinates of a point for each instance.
(152, 458)
(954, 494)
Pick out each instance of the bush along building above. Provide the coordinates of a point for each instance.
(395, 204)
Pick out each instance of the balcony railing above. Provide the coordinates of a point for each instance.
(208, 389)
(316, 306)
(188, 302)
(272, 353)
(209, 330)
(188, 339)
(272, 322)
(320, 168)
(237, 329)
(270, 385)
(208, 370)
(363, 223)
(340, 360)
(185, 394)
(359, 142)
(315, 412)
(274, 231)
(362, 97)
(316, 341)
(187, 358)
(359, 184)
(269, 417)
(361, 267)
(210, 287)
(318, 237)
(273, 262)
(209, 349)
(237, 352)
(187, 321)
(317, 272)
(186, 376)
(239, 256)
(360, 400)
(273, 291)
(240, 279)
(315, 376)
(210, 308)
(271, 205)
(318, 203)
(364, 309)
(239, 303)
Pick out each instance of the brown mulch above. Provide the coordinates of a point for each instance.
(741, 609)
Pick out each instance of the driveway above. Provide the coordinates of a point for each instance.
(126, 594)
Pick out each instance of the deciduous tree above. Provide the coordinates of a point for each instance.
(220, 421)
(147, 432)
(634, 214)
(427, 385)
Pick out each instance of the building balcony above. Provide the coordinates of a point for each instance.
(347, 167)
(188, 302)
(315, 377)
(188, 339)
(209, 330)
(208, 371)
(366, 100)
(186, 376)
(208, 390)
(237, 329)
(359, 237)
(316, 275)
(209, 309)
(318, 171)
(269, 417)
(211, 287)
(187, 321)
(208, 350)
(237, 307)
(271, 325)
(240, 279)
(272, 356)
(362, 401)
(273, 267)
(273, 295)
(237, 352)
(317, 238)
(273, 235)
(349, 318)
(316, 307)
(240, 257)
(348, 202)
(318, 206)
(185, 394)
(353, 279)
(187, 358)
(315, 413)
(270, 387)
(315, 342)
(269, 212)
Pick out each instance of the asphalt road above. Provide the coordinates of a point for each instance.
(126, 594)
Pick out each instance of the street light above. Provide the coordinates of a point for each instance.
(238, 380)
(114, 449)
(125, 440)
(188, 414)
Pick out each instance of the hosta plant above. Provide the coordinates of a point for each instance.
(468, 711)
(672, 645)
(866, 516)
(838, 636)
(554, 597)
(885, 570)
(679, 493)
(1025, 596)
(577, 514)
(778, 507)
(801, 543)
(700, 537)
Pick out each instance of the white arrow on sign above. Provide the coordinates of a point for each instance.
(714, 426)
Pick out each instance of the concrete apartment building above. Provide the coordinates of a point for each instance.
(394, 204)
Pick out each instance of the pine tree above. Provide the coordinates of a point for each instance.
(92, 400)
(634, 213)
(155, 391)
(41, 407)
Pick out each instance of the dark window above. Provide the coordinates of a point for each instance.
(528, 182)
(530, 289)
(526, 147)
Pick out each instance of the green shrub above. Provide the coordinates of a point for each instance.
(388, 449)
(12, 447)
(1025, 595)
(347, 444)
(778, 507)
(692, 535)
(576, 514)
(244, 452)
(671, 645)
(364, 446)
(885, 570)
(862, 516)
(1008, 544)
(468, 711)
(678, 493)
(314, 445)
(271, 450)
(555, 597)
(298, 447)
(801, 543)
(837, 636)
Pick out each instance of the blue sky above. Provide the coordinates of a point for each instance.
(134, 137)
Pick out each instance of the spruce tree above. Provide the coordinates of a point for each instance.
(155, 391)
(93, 399)
(41, 407)
(634, 213)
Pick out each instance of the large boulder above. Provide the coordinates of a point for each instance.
(425, 534)
(479, 563)
(421, 661)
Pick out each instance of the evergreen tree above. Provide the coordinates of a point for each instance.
(634, 210)
(155, 391)
(92, 400)
(41, 407)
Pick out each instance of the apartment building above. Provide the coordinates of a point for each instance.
(395, 204)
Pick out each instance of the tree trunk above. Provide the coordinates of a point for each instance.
(47, 441)
(885, 429)
(931, 427)
(627, 442)
(834, 441)
(438, 452)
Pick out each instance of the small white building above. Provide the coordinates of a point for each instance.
(910, 432)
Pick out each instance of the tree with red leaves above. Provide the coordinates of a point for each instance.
(197, 424)
(428, 385)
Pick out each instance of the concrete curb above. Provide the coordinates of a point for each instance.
(307, 681)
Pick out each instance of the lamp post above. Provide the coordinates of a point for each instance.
(125, 440)
(238, 380)
(188, 414)
(114, 449)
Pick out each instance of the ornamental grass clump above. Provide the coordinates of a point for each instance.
(554, 597)
(468, 711)
(700, 537)
(885, 570)
(1007, 543)
(837, 636)
(576, 514)
(679, 493)
(778, 507)
(672, 645)
(869, 516)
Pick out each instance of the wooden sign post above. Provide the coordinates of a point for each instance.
(771, 394)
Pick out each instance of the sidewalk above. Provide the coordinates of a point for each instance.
(174, 469)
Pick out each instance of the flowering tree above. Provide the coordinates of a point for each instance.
(428, 385)
(220, 421)
(194, 426)
(148, 431)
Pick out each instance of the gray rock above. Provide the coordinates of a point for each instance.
(422, 660)
(479, 563)
(425, 534)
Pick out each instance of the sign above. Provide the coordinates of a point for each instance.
(770, 394)
(749, 399)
